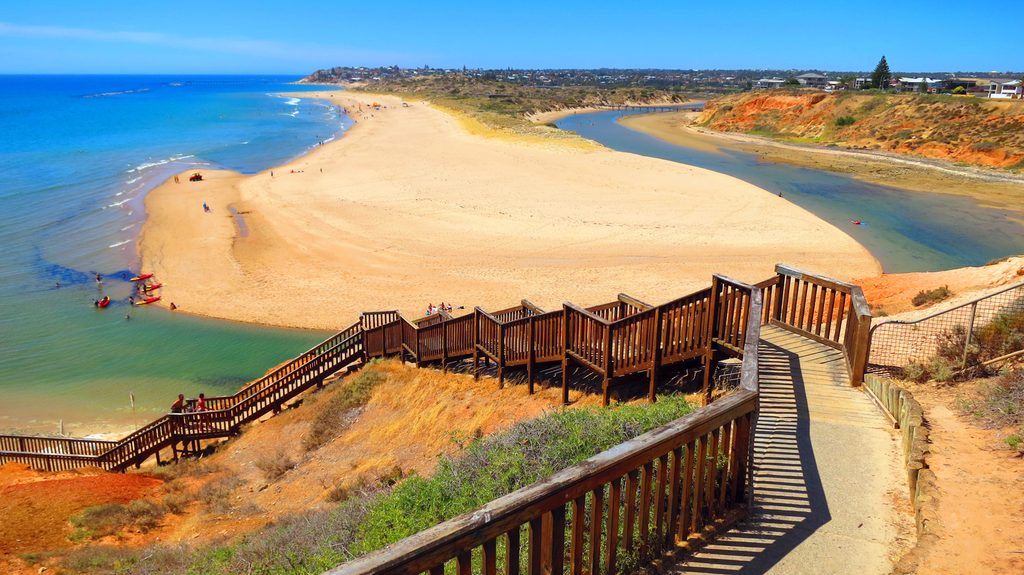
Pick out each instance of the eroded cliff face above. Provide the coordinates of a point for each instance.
(959, 129)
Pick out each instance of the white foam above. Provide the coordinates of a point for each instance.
(119, 244)
(128, 227)
(133, 180)
(292, 101)
(115, 204)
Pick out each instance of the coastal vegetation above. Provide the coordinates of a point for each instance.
(376, 512)
(506, 107)
(960, 129)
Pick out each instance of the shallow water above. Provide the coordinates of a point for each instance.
(77, 156)
(905, 230)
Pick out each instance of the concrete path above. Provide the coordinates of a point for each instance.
(826, 474)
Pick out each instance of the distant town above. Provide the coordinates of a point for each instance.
(1003, 85)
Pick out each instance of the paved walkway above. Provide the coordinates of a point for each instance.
(825, 471)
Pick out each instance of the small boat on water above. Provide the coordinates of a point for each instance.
(148, 300)
(103, 302)
(856, 222)
(141, 277)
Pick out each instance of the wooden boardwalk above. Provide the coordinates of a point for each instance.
(824, 463)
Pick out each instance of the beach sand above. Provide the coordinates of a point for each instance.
(991, 188)
(408, 208)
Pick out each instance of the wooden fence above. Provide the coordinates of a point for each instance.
(823, 309)
(633, 502)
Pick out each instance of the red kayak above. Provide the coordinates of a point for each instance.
(856, 222)
(142, 277)
(103, 303)
(148, 300)
(150, 287)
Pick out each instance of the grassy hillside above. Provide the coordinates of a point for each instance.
(967, 130)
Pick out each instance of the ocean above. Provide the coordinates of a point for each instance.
(77, 156)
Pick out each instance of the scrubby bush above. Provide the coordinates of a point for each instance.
(843, 121)
(999, 404)
(335, 415)
(931, 296)
(216, 493)
(112, 518)
(274, 465)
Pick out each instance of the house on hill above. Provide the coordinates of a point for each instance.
(769, 83)
(1004, 89)
(812, 80)
(914, 84)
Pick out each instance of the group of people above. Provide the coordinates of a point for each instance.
(432, 309)
(198, 405)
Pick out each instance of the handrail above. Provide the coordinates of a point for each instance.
(546, 500)
(630, 300)
(587, 313)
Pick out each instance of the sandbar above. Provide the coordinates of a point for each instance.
(410, 208)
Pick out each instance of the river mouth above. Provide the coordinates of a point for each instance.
(906, 231)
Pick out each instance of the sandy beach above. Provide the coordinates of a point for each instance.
(408, 208)
(990, 188)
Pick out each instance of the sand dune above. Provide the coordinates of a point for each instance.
(409, 208)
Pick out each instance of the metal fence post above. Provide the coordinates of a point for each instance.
(970, 333)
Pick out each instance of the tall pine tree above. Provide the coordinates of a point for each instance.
(881, 76)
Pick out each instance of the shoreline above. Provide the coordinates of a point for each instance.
(988, 188)
(465, 223)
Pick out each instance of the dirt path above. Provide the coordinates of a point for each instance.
(981, 511)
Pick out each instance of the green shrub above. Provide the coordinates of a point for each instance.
(335, 415)
(177, 503)
(917, 372)
(844, 121)
(931, 296)
(499, 464)
(902, 134)
(984, 146)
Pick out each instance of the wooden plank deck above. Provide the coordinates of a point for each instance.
(825, 463)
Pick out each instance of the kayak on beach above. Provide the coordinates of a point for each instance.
(148, 300)
(149, 288)
(141, 277)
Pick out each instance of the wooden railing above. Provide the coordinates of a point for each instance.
(823, 309)
(222, 418)
(638, 500)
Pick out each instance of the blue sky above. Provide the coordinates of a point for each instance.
(228, 36)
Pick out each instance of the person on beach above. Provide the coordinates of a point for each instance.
(179, 404)
(173, 307)
(175, 179)
(206, 208)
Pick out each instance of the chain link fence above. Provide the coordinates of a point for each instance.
(965, 339)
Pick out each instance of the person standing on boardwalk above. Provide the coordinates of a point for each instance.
(179, 404)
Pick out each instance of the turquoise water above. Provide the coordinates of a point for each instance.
(906, 231)
(77, 155)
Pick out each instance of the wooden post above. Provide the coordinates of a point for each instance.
(656, 360)
(530, 353)
(709, 350)
(476, 344)
(444, 348)
(501, 355)
(606, 384)
(565, 355)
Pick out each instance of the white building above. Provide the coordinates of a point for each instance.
(1005, 89)
(769, 83)
(811, 79)
(914, 84)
